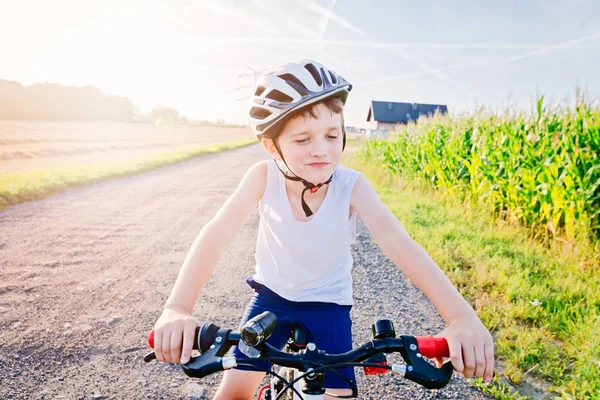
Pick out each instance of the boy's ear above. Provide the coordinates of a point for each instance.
(269, 145)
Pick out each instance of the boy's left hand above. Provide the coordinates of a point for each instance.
(471, 347)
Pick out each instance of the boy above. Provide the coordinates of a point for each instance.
(308, 205)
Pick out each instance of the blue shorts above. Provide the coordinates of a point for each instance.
(328, 326)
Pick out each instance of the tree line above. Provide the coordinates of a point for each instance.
(51, 101)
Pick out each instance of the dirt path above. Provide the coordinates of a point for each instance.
(84, 275)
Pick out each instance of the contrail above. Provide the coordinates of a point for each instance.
(359, 43)
(312, 6)
(413, 74)
(553, 47)
(247, 17)
(426, 68)
(290, 21)
(544, 49)
(325, 22)
(348, 65)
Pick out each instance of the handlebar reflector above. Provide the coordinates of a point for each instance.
(380, 359)
(375, 370)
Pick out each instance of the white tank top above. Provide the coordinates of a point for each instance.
(311, 260)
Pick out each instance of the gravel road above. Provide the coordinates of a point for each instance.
(84, 275)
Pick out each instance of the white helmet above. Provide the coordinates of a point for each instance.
(281, 90)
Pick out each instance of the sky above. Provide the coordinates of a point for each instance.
(201, 57)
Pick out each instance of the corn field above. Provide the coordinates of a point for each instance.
(541, 170)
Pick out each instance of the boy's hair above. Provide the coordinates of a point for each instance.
(334, 104)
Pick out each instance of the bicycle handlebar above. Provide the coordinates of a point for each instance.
(214, 342)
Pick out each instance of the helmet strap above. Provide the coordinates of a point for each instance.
(307, 185)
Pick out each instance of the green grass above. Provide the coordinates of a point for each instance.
(33, 185)
(542, 304)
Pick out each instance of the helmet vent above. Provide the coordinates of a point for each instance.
(333, 78)
(259, 113)
(290, 77)
(259, 90)
(279, 96)
(315, 74)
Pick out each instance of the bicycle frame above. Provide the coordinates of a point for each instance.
(289, 374)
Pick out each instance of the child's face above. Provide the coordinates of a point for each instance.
(312, 147)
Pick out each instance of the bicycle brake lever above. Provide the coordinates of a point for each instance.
(211, 360)
(149, 357)
(420, 371)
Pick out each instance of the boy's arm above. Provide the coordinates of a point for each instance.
(470, 343)
(215, 237)
(408, 255)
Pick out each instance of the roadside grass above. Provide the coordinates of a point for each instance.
(542, 304)
(20, 187)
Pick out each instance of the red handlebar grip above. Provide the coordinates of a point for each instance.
(432, 347)
(151, 339)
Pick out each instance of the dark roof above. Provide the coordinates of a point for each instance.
(386, 111)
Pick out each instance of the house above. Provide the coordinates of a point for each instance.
(385, 115)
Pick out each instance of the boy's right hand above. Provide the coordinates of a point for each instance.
(172, 330)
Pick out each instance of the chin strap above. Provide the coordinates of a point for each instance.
(307, 185)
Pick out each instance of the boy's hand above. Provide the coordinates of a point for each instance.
(471, 347)
(174, 336)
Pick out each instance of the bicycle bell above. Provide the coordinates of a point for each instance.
(383, 328)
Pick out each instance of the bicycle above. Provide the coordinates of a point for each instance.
(302, 365)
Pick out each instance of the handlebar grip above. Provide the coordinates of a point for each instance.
(151, 338)
(432, 347)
